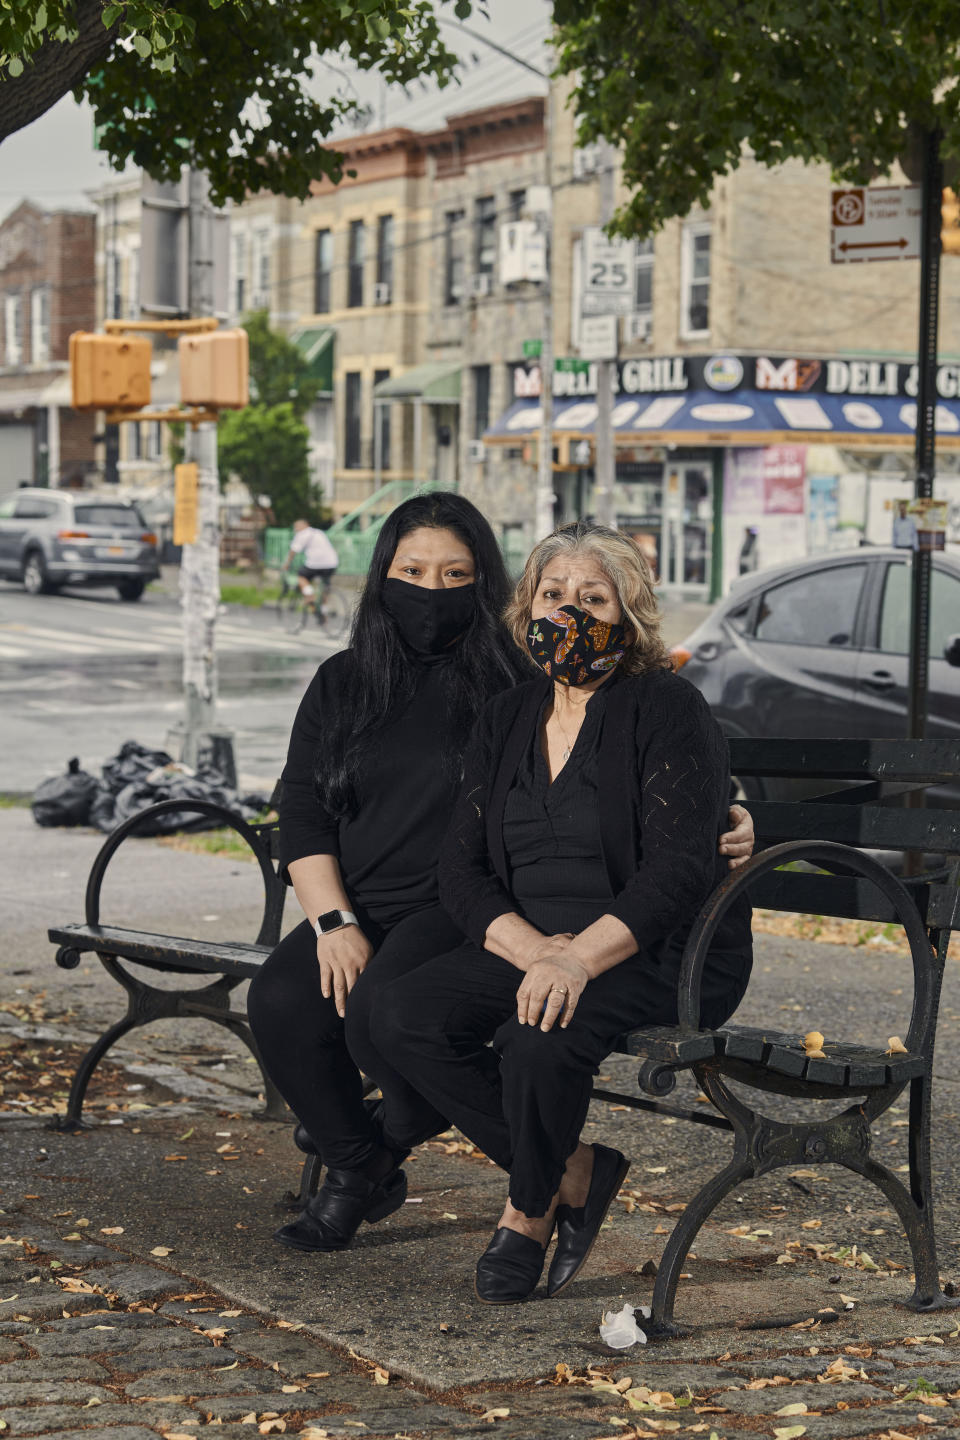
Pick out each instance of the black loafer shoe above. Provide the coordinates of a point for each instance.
(509, 1269)
(334, 1215)
(577, 1228)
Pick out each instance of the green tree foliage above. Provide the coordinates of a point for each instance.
(684, 86)
(267, 447)
(228, 86)
(278, 370)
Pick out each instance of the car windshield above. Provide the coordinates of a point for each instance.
(120, 517)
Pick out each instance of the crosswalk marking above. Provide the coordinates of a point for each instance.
(19, 641)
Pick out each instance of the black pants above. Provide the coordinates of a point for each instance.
(523, 1102)
(303, 1041)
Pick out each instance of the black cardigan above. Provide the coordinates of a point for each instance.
(664, 775)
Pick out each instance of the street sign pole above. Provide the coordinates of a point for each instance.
(605, 463)
(197, 738)
(543, 510)
(925, 452)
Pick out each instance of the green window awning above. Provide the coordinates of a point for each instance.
(316, 345)
(437, 383)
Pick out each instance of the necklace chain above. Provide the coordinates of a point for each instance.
(565, 754)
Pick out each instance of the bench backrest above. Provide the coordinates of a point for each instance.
(868, 800)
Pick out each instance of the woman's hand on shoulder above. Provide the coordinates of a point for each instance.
(550, 991)
(343, 956)
(739, 840)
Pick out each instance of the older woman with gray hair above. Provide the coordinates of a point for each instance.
(584, 841)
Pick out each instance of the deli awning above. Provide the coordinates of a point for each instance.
(744, 417)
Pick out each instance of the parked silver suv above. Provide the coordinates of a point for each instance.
(50, 538)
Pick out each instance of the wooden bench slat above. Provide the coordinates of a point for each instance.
(855, 899)
(784, 1053)
(668, 1044)
(930, 761)
(870, 827)
(232, 957)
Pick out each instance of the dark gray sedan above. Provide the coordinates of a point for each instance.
(50, 538)
(819, 647)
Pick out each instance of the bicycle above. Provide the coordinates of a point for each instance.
(328, 605)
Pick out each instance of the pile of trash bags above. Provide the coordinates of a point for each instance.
(133, 780)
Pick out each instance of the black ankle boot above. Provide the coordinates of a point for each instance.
(345, 1199)
(509, 1269)
(304, 1140)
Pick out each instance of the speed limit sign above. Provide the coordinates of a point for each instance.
(608, 278)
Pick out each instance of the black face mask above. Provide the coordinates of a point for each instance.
(429, 620)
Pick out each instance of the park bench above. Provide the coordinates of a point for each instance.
(861, 811)
(834, 832)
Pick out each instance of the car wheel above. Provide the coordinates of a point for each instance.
(34, 577)
(130, 589)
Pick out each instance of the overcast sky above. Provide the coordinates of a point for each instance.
(53, 161)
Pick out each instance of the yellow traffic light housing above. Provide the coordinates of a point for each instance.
(950, 223)
(215, 369)
(109, 372)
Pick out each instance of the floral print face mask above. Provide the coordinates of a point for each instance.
(574, 648)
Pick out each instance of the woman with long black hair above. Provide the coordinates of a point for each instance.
(372, 773)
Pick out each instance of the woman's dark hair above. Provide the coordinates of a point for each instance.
(383, 676)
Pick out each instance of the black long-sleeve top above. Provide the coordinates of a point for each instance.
(387, 851)
(664, 778)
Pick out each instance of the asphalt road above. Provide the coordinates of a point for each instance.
(83, 671)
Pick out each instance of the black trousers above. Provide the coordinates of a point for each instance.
(523, 1101)
(303, 1041)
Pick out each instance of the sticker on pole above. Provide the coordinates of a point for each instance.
(877, 222)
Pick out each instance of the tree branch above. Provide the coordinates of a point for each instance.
(56, 69)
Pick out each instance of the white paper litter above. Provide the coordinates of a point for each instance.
(619, 1328)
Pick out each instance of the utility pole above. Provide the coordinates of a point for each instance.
(199, 740)
(543, 519)
(925, 452)
(604, 473)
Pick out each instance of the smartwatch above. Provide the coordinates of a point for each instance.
(334, 920)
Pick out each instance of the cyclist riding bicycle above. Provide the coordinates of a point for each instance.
(320, 559)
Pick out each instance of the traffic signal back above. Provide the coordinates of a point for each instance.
(215, 369)
(109, 372)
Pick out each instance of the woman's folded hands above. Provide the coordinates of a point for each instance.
(551, 988)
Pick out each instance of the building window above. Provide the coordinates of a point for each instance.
(322, 270)
(485, 220)
(13, 329)
(355, 258)
(133, 284)
(481, 400)
(238, 265)
(136, 442)
(517, 200)
(385, 255)
(695, 281)
(154, 440)
(353, 382)
(113, 297)
(643, 286)
(381, 422)
(40, 326)
(453, 257)
(260, 298)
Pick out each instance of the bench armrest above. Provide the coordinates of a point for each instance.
(259, 847)
(827, 853)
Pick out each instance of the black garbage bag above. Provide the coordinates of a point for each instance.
(65, 799)
(131, 763)
(171, 782)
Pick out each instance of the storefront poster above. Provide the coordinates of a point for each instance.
(764, 506)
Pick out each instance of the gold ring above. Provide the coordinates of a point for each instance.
(560, 989)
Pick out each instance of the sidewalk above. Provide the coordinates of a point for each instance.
(169, 1203)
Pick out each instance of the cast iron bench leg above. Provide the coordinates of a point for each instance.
(73, 1119)
(661, 1324)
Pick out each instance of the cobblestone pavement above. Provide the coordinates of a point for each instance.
(90, 1347)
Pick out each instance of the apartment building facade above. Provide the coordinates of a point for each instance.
(765, 396)
(47, 290)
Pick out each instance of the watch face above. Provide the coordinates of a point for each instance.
(330, 920)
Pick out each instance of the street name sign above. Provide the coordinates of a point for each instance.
(608, 274)
(877, 222)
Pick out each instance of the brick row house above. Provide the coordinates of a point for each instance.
(46, 291)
